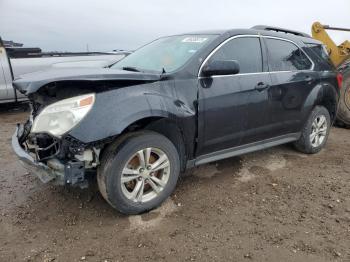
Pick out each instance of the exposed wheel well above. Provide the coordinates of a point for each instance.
(166, 127)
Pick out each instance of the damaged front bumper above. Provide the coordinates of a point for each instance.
(71, 172)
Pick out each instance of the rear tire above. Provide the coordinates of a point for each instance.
(315, 132)
(138, 172)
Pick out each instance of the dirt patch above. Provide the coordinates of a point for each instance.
(154, 218)
(273, 205)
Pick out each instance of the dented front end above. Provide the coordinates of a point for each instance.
(66, 149)
(61, 160)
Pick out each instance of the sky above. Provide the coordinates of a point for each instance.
(105, 25)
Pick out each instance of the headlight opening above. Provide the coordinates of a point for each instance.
(60, 117)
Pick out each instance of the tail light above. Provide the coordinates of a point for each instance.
(340, 80)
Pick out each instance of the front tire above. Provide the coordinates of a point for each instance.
(138, 172)
(315, 132)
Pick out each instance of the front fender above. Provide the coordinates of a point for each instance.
(115, 110)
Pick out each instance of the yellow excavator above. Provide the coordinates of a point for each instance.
(340, 57)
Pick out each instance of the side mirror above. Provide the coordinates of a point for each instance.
(221, 67)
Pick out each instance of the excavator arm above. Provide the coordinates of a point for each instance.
(338, 54)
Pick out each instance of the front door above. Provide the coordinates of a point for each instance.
(232, 107)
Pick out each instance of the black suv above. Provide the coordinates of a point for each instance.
(175, 103)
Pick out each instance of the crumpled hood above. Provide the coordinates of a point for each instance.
(30, 83)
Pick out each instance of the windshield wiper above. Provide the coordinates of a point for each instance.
(130, 68)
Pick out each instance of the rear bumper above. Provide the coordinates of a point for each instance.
(42, 171)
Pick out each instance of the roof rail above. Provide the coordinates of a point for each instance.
(278, 29)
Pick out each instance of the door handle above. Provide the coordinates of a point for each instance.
(309, 79)
(261, 86)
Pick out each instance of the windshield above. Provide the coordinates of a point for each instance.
(164, 54)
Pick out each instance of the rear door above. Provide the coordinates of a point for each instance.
(292, 80)
(231, 109)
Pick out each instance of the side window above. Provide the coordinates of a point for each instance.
(246, 50)
(285, 56)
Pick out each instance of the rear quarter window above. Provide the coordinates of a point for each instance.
(320, 53)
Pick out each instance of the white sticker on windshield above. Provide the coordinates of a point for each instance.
(194, 39)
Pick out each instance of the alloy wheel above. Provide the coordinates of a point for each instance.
(145, 175)
(318, 131)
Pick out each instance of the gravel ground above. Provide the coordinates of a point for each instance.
(273, 205)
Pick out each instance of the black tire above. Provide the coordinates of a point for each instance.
(116, 157)
(304, 143)
(343, 115)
